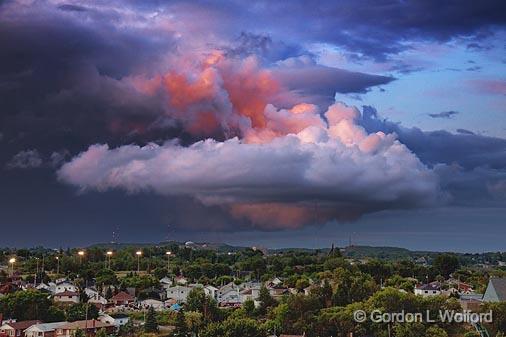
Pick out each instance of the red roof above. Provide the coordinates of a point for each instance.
(22, 325)
(122, 296)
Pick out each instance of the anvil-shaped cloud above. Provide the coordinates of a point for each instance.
(328, 169)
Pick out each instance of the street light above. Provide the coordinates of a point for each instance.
(57, 265)
(168, 259)
(12, 260)
(139, 254)
(81, 254)
(109, 255)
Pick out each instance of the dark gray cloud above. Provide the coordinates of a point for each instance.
(471, 167)
(25, 160)
(465, 132)
(444, 114)
(377, 29)
(432, 147)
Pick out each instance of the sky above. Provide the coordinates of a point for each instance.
(276, 124)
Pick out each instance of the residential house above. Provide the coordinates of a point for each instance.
(211, 291)
(65, 286)
(178, 293)
(496, 290)
(43, 287)
(98, 300)
(117, 319)
(89, 327)
(67, 297)
(122, 298)
(431, 289)
(15, 329)
(228, 294)
(181, 280)
(166, 282)
(43, 329)
(249, 294)
(152, 303)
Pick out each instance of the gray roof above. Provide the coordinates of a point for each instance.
(48, 326)
(499, 285)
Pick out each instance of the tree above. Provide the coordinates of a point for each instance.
(151, 325)
(249, 308)
(197, 300)
(445, 264)
(181, 329)
(435, 331)
(79, 333)
(77, 312)
(26, 305)
(234, 327)
(101, 333)
(194, 321)
(108, 293)
(265, 299)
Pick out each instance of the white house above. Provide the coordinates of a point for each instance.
(425, 290)
(65, 286)
(98, 300)
(43, 286)
(166, 282)
(155, 304)
(181, 280)
(211, 291)
(179, 293)
(43, 329)
(91, 292)
(249, 294)
(229, 293)
(114, 319)
(67, 297)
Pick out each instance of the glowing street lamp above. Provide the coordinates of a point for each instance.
(12, 260)
(57, 265)
(139, 254)
(81, 254)
(168, 259)
(109, 255)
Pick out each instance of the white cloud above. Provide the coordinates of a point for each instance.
(341, 170)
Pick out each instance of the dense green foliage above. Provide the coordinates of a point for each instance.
(326, 288)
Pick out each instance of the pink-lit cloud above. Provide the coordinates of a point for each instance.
(298, 175)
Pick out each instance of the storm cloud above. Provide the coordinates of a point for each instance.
(340, 169)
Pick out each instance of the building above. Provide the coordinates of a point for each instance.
(431, 289)
(98, 300)
(211, 291)
(152, 303)
(67, 297)
(166, 282)
(117, 320)
(64, 286)
(496, 290)
(178, 293)
(15, 329)
(122, 298)
(249, 294)
(43, 329)
(90, 327)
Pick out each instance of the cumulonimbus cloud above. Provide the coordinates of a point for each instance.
(326, 170)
